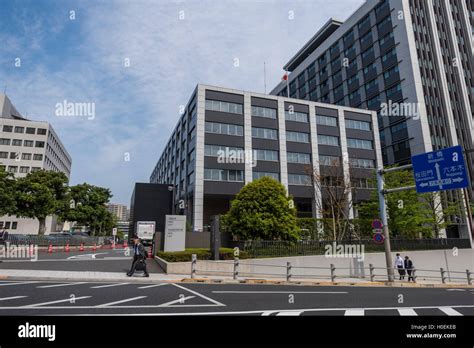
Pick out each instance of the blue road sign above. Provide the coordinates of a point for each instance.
(379, 238)
(440, 170)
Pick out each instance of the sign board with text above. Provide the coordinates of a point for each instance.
(440, 170)
(175, 233)
(145, 230)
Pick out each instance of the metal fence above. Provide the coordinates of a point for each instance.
(55, 240)
(263, 248)
(288, 272)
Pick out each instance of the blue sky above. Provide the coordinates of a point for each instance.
(171, 46)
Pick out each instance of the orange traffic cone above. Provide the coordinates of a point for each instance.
(150, 254)
(82, 247)
(125, 244)
(50, 248)
(67, 248)
(94, 248)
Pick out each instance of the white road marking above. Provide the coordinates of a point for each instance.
(266, 314)
(291, 313)
(113, 258)
(450, 311)
(200, 295)
(108, 285)
(53, 302)
(280, 292)
(121, 301)
(152, 286)
(407, 312)
(59, 285)
(455, 289)
(179, 300)
(354, 312)
(6, 284)
(11, 298)
(85, 256)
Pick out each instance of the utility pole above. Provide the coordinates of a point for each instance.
(386, 234)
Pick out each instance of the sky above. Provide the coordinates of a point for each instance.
(137, 62)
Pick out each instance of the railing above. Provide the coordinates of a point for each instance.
(289, 273)
(54, 240)
(262, 248)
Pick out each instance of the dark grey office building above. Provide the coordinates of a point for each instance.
(226, 138)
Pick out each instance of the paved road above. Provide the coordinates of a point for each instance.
(119, 298)
(101, 260)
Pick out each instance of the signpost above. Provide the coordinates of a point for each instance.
(114, 233)
(440, 170)
(175, 233)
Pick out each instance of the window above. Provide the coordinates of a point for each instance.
(30, 130)
(354, 95)
(3, 154)
(370, 84)
(4, 141)
(359, 144)
(364, 21)
(215, 105)
(375, 101)
(14, 155)
(224, 128)
(13, 169)
(14, 225)
(393, 90)
(260, 111)
(223, 175)
(35, 169)
(37, 157)
(19, 129)
(325, 160)
(16, 142)
(352, 79)
(26, 156)
(361, 163)
(386, 38)
(39, 144)
(384, 21)
(389, 55)
(28, 143)
(24, 169)
(213, 151)
(297, 157)
(297, 137)
(8, 129)
(390, 72)
(266, 155)
(369, 67)
(41, 131)
(326, 121)
(299, 179)
(258, 175)
(264, 133)
(328, 140)
(367, 52)
(366, 37)
(398, 127)
(360, 125)
(362, 183)
(296, 116)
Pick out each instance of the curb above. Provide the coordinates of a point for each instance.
(136, 280)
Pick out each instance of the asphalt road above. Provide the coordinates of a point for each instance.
(101, 260)
(122, 298)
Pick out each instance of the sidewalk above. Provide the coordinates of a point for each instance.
(15, 274)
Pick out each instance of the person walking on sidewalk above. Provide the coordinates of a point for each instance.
(139, 257)
(409, 267)
(3, 236)
(400, 266)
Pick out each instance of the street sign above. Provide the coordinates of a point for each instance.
(379, 238)
(440, 170)
(114, 231)
(377, 224)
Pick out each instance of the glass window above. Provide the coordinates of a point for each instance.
(326, 120)
(359, 144)
(266, 155)
(4, 141)
(264, 133)
(41, 131)
(215, 105)
(28, 143)
(325, 160)
(24, 169)
(260, 111)
(224, 128)
(13, 169)
(8, 129)
(16, 142)
(296, 157)
(297, 137)
(258, 175)
(356, 124)
(3, 154)
(38, 157)
(361, 163)
(30, 130)
(223, 175)
(39, 144)
(328, 140)
(299, 179)
(296, 116)
(19, 129)
(26, 156)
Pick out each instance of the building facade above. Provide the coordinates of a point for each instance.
(27, 146)
(119, 210)
(285, 138)
(410, 61)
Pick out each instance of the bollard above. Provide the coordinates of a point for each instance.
(333, 275)
(443, 278)
(371, 269)
(236, 268)
(288, 271)
(469, 279)
(414, 275)
(193, 265)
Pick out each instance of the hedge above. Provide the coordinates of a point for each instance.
(201, 253)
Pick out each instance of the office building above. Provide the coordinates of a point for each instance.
(27, 146)
(119, 210)
(287, 139)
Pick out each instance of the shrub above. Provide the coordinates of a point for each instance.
(201, 253)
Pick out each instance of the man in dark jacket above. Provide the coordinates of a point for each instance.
(409, 268)
(3, 236)
(139, 256)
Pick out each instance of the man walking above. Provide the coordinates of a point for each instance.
(3, 236)
(409, 267)
(139, 257)
(400, 265)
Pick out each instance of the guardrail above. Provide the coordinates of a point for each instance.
(332, 273)
(46, 240)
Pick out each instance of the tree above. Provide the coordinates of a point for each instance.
(7, 193)
(39, 194)
(86, 204)
(262, 210)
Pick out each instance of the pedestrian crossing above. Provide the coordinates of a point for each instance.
(406, 311)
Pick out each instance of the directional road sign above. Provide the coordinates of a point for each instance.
(440, 170)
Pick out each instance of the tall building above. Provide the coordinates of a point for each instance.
(206, 160)
(119, 210)
(27, 146)
(410, 61)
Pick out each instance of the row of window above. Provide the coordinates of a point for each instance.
(19, 142)
(216, 105)
(24, 156)
(8, 225)
(16, 169)
(27, 130)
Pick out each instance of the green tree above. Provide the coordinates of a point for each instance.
(262, 210)
(86, 205)
(7, 193)
(39, 194)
